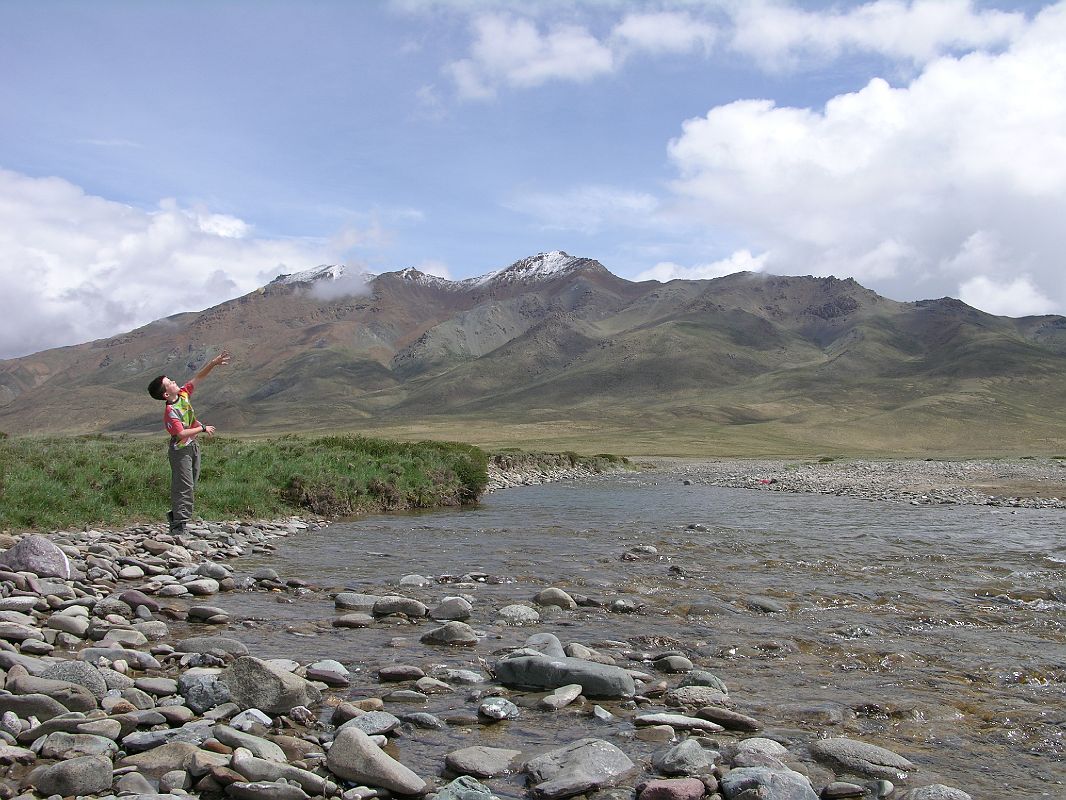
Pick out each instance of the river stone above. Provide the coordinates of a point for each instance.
(38, 555)
(353, 601)
(861, 758)
(355, 757)
(75, 626)
(63, 745)
(465, 788)
(400, 672)
(498, 709)
(582, 766)
(766, 784)
(452, 608)
(482, 762)
(79, 672)
(17, 603)
(75, 776)
(935, 791)
(673, 663)
(17, 632)
(699, 677)
(374, 723)
(729, 719)
(517, 615)
(253, 684)
(212, 644)
(135, 658)
(395, 604)
(679, 722)
(540, 672)
(689, 757)
(265, 790)
(72, 695)
(553, 596)
(203, 689)
(756, 744)
(673, 789)
(357, 620)
(696, 697)
(32, 705)
(260, 769)
(452, 633)
(256, 745)
(330, 672)
(561, 697)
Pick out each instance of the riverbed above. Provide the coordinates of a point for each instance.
(937, 631)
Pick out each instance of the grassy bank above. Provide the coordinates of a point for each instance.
(62, 482)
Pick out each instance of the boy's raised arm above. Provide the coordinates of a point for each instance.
(220, 360)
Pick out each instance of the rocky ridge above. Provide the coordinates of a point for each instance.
(100, 699)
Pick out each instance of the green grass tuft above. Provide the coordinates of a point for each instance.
(62, 482)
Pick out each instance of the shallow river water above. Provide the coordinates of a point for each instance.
(938, 632)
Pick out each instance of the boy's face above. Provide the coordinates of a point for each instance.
(170, 389)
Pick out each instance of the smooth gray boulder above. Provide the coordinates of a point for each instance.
(580, 767)
(253, 684)
(79, 672)
(482, 762)
(32, 705)
(356, 758)
(452, 609)
(541, 672)
(861, 758)
(203, 689)
(260, 769)
(374, 723)
(553, 596)
(465, 788)
(76, 776)
(451, 633)
(396, 604)
(766, 784)
(63, 745)
(256, 745)
(546, 643)
(38, 555)
(688, 757)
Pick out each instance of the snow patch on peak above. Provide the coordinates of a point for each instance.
(325, 272)
(541, 267)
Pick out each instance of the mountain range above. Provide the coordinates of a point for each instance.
(557, 352)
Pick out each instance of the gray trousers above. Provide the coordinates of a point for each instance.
(184, 473)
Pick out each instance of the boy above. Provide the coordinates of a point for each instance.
(184, 451)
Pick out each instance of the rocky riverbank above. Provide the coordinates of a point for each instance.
(1018, 483)
(507, 470)
(102, 698)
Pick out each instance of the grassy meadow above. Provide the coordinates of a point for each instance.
(60, 482)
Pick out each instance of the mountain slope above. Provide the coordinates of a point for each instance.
(557, 349)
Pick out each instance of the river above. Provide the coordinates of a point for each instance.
(938, 632)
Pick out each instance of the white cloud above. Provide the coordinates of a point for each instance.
(587, 208)
(664, 32)
(960, 172)
(779, 34)
(76, 267)
(740, 261)
(1011, 298)
(513, 52)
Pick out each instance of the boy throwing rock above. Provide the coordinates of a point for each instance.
(184, 451)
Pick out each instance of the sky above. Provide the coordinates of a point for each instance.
(162, 157)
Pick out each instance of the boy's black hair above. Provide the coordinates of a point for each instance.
(155, 388)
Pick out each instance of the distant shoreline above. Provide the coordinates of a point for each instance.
(1012, 482)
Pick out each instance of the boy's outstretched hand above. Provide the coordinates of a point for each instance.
(221, 359)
